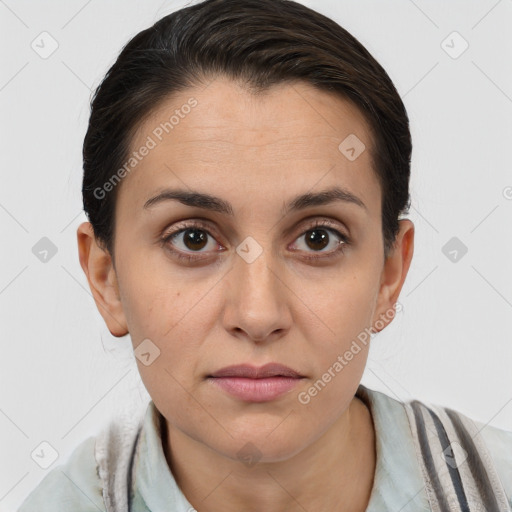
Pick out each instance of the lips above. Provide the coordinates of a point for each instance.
(252, 372)
(251, 384)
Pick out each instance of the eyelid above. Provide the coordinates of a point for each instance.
(328, 225)
(178, 227)
(207, 225)
(317, 221)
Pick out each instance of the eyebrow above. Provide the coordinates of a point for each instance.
(216, 204)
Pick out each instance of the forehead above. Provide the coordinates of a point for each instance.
(224, 139)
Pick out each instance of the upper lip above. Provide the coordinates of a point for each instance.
(253, 372)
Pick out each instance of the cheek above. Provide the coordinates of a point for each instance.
(345, 311)
(176, 314)
(175, 321)
(158, 297)
(343, 307)
(340, 357)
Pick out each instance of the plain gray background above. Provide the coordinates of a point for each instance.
(63, 375)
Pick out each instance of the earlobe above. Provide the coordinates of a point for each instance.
(96, 263)
(394, 273)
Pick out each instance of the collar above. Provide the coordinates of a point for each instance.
(398, 483)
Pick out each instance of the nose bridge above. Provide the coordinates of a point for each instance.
(255, 271)
(257, 299)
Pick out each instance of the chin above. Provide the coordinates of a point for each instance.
(257, 446)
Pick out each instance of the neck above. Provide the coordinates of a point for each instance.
(335, 472)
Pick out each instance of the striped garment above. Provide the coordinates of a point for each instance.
(429, 458)
(464, 478)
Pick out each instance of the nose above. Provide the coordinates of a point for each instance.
(257, 306)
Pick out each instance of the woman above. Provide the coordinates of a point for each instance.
(246, 173)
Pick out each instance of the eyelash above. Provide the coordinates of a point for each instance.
(326, 224)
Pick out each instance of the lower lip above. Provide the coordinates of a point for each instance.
(256, 390)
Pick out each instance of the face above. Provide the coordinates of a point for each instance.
(254, 276)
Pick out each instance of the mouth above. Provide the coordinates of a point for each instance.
(252, 372)
(252, 384)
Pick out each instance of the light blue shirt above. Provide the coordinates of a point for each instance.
(398, 483)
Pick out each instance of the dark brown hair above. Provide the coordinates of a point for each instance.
(256, 42)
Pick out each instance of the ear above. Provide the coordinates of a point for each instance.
(393, 275)
(97, 265)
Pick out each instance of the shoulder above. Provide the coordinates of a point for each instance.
(482, 454)
(96, 474)
(74, 485)
(499, 444)
(433, 428)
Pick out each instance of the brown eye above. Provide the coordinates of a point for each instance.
(321, 242)
(194, 239)
(190, 240)
(317, 239)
